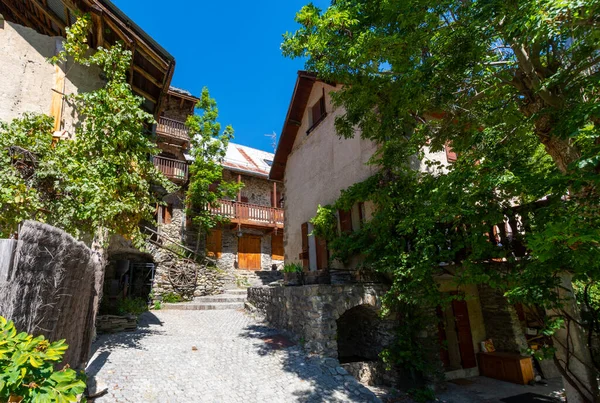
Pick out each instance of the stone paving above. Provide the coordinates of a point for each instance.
(213, 356)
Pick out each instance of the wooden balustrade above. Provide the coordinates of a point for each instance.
(172, 128)
(173, 169)
(250, 214)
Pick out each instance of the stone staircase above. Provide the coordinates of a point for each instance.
(235, 291)
(247, 278)
(231, 299)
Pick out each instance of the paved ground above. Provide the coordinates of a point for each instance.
(213, 356)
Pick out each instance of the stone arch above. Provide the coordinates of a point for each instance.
(357, 332)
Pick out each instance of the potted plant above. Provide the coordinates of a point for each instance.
(292, 274)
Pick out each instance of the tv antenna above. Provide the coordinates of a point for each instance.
(273, 137)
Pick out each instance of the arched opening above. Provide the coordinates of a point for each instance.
(358, 335)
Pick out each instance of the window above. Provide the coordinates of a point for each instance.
(316, 113)
(213, 244)
(167, 213)
(450, 154)
(345, 221)
(277, 252)
(268, 162)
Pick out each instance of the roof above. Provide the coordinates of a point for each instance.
(247, 160)
(181, 93)
(153, 66)
(292, 123)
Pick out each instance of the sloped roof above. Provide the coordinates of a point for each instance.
(291, 125)
(248, 160)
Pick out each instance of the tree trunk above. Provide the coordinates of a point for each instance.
(573, 357)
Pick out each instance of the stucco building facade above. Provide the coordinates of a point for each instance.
(315, 165)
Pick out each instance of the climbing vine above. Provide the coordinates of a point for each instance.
(103, 178)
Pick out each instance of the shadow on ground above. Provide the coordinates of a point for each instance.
(148, 324)
(327, 380)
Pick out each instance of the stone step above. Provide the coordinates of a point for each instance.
(222, 298)
(209, 306)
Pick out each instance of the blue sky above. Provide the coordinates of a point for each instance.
(232, 47)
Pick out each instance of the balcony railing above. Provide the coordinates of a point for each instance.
(173, 169)
(249, 214)
(172, 128)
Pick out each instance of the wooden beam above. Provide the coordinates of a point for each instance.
(98, 28)
(26, 18)
(147, 75)
(49, 13)
(144, 93)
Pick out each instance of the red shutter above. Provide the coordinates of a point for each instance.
(345, 221)
(304, 255)
(316, 112)
(450, 154)
(322, 253)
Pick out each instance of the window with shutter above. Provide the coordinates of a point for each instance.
(317, 113)
(450, 154)
(345, 221)
(167, 213)
(214, 244)
(305, 253)
(277, 251)
(322, 253)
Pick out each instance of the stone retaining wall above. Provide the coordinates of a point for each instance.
(310, 312)
(209, 282)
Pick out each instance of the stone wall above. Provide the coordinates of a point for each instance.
(310, 312)
(257, 189)
(229, 249)
(172, 109)
(501, 321)
(209, 280)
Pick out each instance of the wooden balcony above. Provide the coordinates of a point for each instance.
(175, 170)
(173, 129)
(250, 214)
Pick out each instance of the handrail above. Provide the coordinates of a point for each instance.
(173, 169)
(249, 212)
(172, 127)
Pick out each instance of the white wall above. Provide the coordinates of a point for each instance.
(320, 165)
(27, 79)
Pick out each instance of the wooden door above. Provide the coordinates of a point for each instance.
(442, 338)
(465, 338)
(249, 253)
(277, 252)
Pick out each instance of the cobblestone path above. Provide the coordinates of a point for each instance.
(213, 356)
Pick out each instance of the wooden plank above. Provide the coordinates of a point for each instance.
(277, 250)
(144, 93)
(147, 75)
(56, 104)
(98, 27)
(43, 7)
(249, 256)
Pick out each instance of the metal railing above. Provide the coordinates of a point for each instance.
(172, 128)
(247, 212)
(173, 169)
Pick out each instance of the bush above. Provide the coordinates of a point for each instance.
(132, 306)
(172, 298)
(27, 371)
(292, 268)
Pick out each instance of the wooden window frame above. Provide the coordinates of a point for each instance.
(323, 108)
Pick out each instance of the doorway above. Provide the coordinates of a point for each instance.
(249, 256)
(456, 339)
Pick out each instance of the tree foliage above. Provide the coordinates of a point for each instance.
(27, 371)
(101, 179)
(209, 146)
(513, 87)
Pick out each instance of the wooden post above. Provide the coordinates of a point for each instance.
(274, 194)
(239, 196)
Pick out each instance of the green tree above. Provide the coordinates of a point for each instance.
(209, 146)
(101, 179)
(513, 86)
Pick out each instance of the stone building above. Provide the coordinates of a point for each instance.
(252, 239)
(315, 165)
